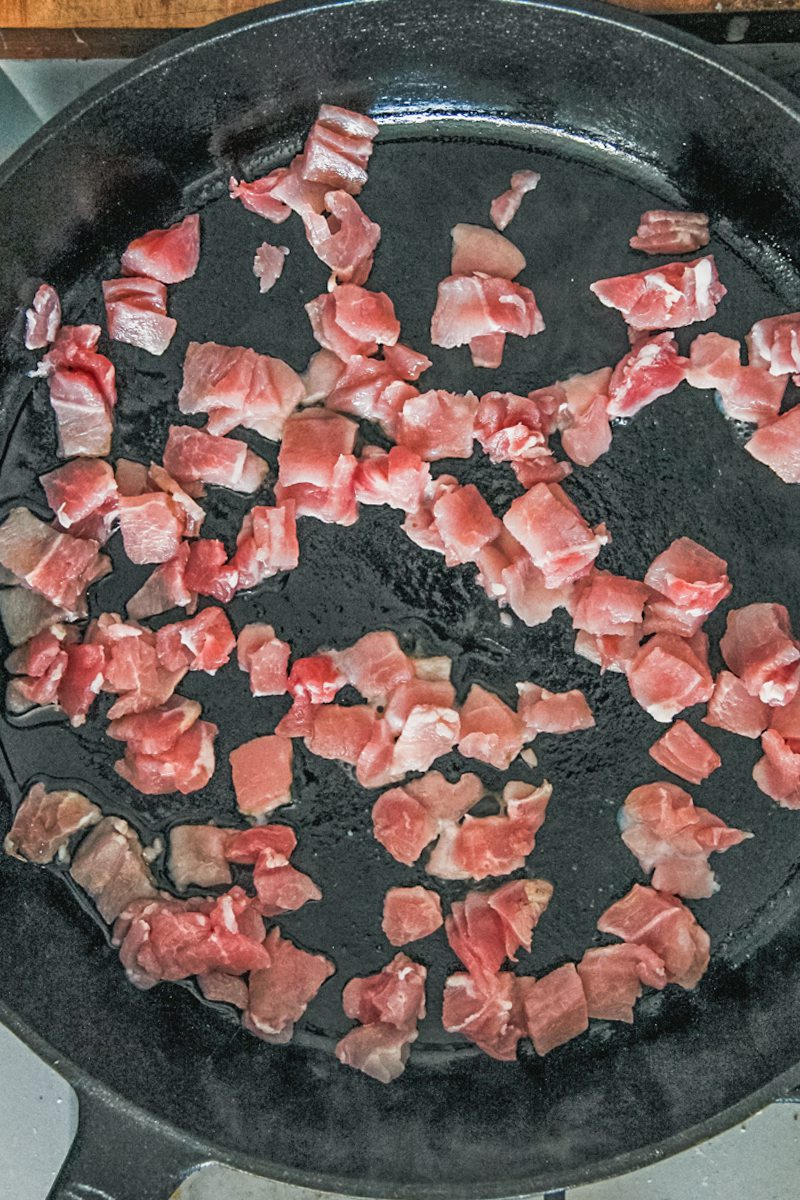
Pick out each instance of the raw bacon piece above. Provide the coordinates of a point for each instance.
(713, 361)
(375, 665)
(262, 774)
(472, 306)
(351, 320)
(348, 244)
(555, 1008)
(777, 774)
(43, 318)
(338, 148)
(132, 669)
(197, 856)
(201, 643)
(45, 821)
(487, 927)
(314, 440)
(403, 825)
(58, 566)
(257, 196)
(280, 993)
(172, 939)
(165, 588)
(478, 250)
(109, 864)
(156, 729)
(410, 913)
(506, 206)
(82, 391)
(280, 887)
(583, 421)
(374, 764)
(511, 428)
(268, 265)
(490, 730)
(341, 732)
(485, 1011)
(169, 255)
(397, 477)
(335, 505)
(430, 731)
(527, 591)
(685, 753)
(662, 616)
(208, 572)
(664, 297)
(747, 393)
(609, 605)
(414, 692)
(186, 767)
(265, 658)
(421, 525)
(732, 707)
(235, 386)
(378, 1050)
(549, 526)
(497, 845)
(193, 515)
(465, 523)
(650, 918)
(83, 496)
(316, 679)
(662, 827)
(541, 711)
(665, 231)
(652, 368)
(758, 646)
(612, 978)
(246, 845)
(223, 988)
(152, 526)
(667, 675)
(81, 681)
(690, 576)
(388, 1006)
(136, 313)
(194, 456)
(369, 387)
(487, 350)
(777, 445)
(266, 544)
(774, 343)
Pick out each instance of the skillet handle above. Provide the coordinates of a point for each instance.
(121, 1154)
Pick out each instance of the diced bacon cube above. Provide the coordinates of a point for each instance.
(265, 658)
(156, 729)
(651, 918)
(266, 544)
(268, 265)
(313, 442)
(690, 576)
(195, 456)
(665, 231)
(397, 478)
(685, 753)
(410, 913)
(554, 533)
(758, 646)
(438, 424)
(477, 249)
(375, 665)
(187, 766)
(429, 732)
(465, 523)
(584, 424)
(612, 978)
(201, 643)
(169, 255)
(777, 445)
(43, 318)
(774, 342)
(605, 604)
(403, 825)
(664, 297)
(506, 206)
(732, 707)
(208, 572)
(555, 1008)
(338, 148)
(667, 675)
(280, 993)
(541, 711)
(151, 527)
(136, 313)
(651, 369)
(81, 681)
(197, 856)
(486, 1011)
(341, 733)
(262, 774)
(490, 730)
(777, 774)
(79, 490)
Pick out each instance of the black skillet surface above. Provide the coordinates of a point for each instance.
(617, 118)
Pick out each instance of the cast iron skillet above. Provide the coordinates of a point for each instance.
(618, 117)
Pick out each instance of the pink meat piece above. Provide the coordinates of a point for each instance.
(551, 529)
(388, 1006)
(45, 821)
(194, 456)
(223, 988)
(486, 1011)
(335, 504)
(412, 693)
(200, 643)
(172, 939)
(479, 847)
(403, 825)
(280, 993)
(758, 646)
(465, 523)
(747, 393)
(554, 1007)
(774, 343)
(670, 836)
(487, 350)
(525, 589)
(152, 526)
(109, 864)
(262, 774)
(477, 249)
(667, 675)
(778, 446)
(83, 419)
(647, 917)
(235, 386)
(257, 196)
(169, 255)
(313, 442)
(39, 652)
(341, 732)
(664, 297)
(268, 265)
(777, 774)
(665, 231)
(605, 604)
(396, 477)
(81, 490)
(374, 765)
(652, 368)
(472, 306)
(43, 318)
(369, 387)
(132, 669)
(378, 1050)
(346, 240)
(316, 679)
(57, 565)
(156, 729)
(208, 572)
(430, 731)
(490, 730)
(421, 525)
(75, 350)
(487, 927)
(165, 588)
(136, 313)
(443, 800)
(410, 913)
(690, 576)
(506, 206)
(662, 616)
(541, 711)
(280, 887)
(26, 692)
(193, 515)
(612, 979)
(732, 707)
(375, 665)
(266, 544)
(197, 856)
(186, 767)
(583, 420)
(265, 658)
(714, 361)
(685, 753)
(511, 428)
(81, 681)
(351, 320)
(337, 149)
